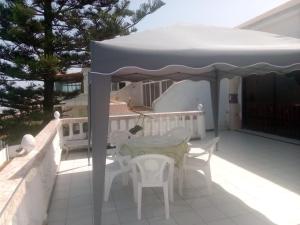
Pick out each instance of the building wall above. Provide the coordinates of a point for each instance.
(132, 93)
(187, 95)
(285, 22)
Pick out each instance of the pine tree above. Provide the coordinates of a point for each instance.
(39, 38)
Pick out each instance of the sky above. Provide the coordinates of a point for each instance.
(224, 13)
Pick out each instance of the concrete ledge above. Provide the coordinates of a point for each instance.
(26, 182)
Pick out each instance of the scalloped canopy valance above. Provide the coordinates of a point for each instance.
(195, 53)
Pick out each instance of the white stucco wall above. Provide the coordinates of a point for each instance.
(26, 182)
(132, 92)
(186, 95)
(285, 22)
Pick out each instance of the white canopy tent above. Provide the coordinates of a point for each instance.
(178, 53)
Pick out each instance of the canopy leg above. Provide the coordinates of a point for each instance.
(215, 94)
(89, 124)
(99, 105)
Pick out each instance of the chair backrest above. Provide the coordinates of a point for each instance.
(181, 133)
(211, 146)
(119, 137)
(153, 169)
(124, 161)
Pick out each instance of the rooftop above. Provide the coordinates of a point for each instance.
(271, 13)
(256, 181)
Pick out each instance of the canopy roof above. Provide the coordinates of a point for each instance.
(194, 52)
(177, 53)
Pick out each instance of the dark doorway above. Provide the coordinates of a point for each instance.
(271, 104)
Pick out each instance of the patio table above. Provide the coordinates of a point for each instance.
(165, 145)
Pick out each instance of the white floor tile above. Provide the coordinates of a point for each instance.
(199, 203)
(81, 221)
(187, 218)
(110, 219)
(222, 222)
(169, 221)
(271, 160)
(141, 222)
(249, 219)
(128, 216)
(179, 206)
(210, 214)
(58, 215)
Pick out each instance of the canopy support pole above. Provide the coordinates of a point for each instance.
(99, 105)
(215, 95)
(89, 124)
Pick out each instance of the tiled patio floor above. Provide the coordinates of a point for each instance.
(256, 182)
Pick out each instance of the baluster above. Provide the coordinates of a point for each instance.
(201, 125)
(172, 119)
(168, 123)
(112, 125)
(118, 124)
(165, 128)
(109, 127)
(192, 125)
(127, 124)
(157, 125)
(123, 124)
(183, 120)
(176, 121)
(148, 127)
(142, 131)
(131, 123)
(81, 129)
(70, 130)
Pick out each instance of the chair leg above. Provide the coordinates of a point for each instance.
(207, 174)
(139, 202)
(108, 183)
(166, 199)
(171, 188)
(180, 181)
(134, 187)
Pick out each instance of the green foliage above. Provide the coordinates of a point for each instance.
(39, 38)
(19, 100)
(13, 129)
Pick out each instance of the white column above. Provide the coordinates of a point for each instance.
(201, 125)
(234, 106)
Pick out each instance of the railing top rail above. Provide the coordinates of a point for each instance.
(185, 113)
(24, 163)
(70, 120)
(133, 115)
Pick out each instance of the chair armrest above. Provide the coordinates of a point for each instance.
(195, 154)
(124, 160)
(198, 152)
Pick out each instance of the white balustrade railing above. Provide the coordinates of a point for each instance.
(152, 123)
(4, 156)
(26, 182)
(74, 128)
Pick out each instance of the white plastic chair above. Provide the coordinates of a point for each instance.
(118, 138)
(190, 162)
(113, 168)
(152, 170)
(115, 163)
(181, 133)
